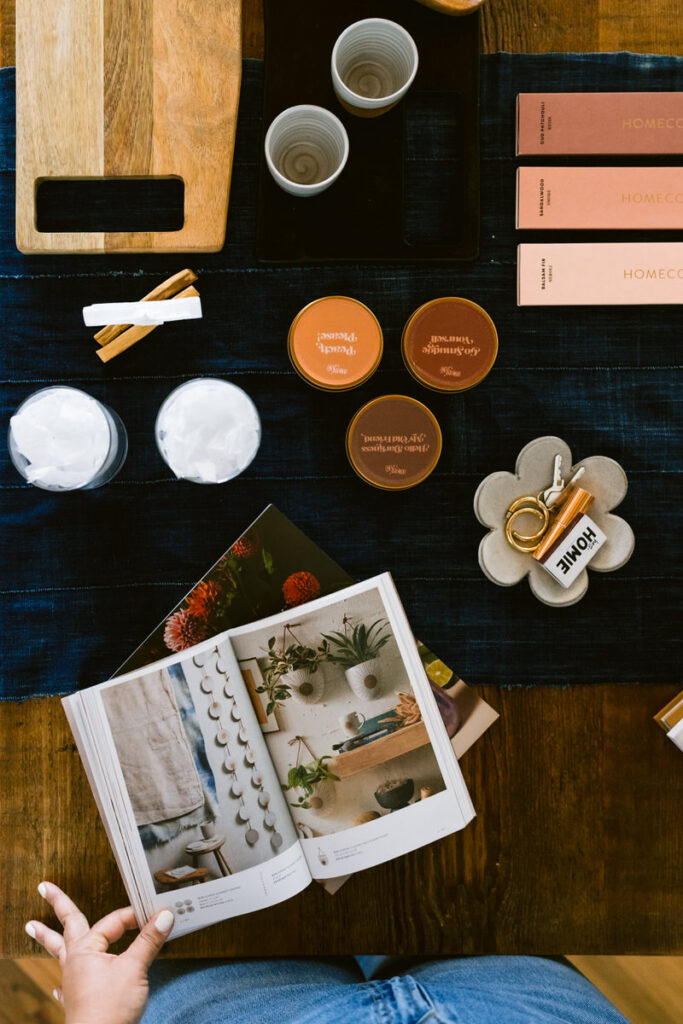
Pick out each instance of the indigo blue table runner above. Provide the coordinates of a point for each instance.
(86, 576)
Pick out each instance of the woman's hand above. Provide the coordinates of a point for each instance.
(99, 987)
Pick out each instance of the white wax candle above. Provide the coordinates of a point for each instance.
(65, 437)
(208, 431)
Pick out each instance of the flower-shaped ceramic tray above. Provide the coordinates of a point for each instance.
(603, 477)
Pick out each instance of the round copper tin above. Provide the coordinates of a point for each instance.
(449, 344)
(393, 442)
(335, 343)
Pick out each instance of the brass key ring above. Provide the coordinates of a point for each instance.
(533, 506)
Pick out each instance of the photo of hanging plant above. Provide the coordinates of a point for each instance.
(304, 778)
(290, 671)
(351, 744)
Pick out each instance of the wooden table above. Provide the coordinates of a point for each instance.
(533, 26)
(577, 844)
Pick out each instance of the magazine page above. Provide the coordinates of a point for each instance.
(355, 735)
(93, 757)
(197, 802)
(272, 566)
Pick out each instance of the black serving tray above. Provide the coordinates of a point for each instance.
(410, 188)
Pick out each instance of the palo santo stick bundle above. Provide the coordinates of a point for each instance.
(116, 338)
(166, 290)
(134, 334)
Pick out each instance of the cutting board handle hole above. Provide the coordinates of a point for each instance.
(121, 204)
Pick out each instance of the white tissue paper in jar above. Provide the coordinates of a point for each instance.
(65, 436)
(208, 431)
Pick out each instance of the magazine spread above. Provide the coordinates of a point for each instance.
(271, 566)
(302, 746)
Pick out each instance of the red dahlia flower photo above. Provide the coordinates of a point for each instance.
(299, 588)
(247, 546)
(184, 630)
(204, 601)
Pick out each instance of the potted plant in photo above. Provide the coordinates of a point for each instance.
(358, 652)
(314, 783)
(293, 671)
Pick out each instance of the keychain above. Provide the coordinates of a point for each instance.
(542, 506)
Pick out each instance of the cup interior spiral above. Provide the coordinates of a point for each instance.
(375, 58)
(307, 145)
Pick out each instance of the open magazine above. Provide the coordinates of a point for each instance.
(301, 746)
(271, 566)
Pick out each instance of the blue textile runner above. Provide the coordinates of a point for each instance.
(85, 576)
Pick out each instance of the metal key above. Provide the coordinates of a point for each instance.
(548, 496)
(577, 476)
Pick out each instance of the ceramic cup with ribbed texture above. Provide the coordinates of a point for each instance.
(306, 149)
(374, 62)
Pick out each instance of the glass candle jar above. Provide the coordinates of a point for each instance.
(208, 431)
(62, 439)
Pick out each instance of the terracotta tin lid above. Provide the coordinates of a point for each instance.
(335, 343)
(449, 344)
(393, 442)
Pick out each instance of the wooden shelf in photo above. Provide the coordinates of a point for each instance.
(410, 737)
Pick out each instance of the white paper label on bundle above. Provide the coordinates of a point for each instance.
(142, 314)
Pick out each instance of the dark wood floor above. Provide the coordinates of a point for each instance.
(577, 844)
(575, 849)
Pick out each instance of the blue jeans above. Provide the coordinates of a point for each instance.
(345, 990)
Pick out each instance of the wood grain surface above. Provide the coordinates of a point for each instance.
(576, 846)
(452, 6)
(22, 1001)
(520, 26)
(646, 989)
(128, 88)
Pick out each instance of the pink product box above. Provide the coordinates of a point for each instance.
(600, 274)
(599, 122)
(627, 198)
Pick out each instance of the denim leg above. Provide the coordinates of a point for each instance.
(512, 990)
(470, 990)
(253, 991)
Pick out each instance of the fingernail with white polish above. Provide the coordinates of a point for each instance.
(30, 930)
(42, 890)
(55, 994)
(164, 921)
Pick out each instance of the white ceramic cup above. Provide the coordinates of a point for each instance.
(374, 62)
(306, 149)
(352, 723)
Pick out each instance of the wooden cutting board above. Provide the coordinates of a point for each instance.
(130, 88)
